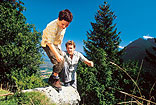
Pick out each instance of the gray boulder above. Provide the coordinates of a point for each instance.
(68, 95)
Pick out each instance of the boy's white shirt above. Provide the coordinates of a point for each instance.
(53, 34)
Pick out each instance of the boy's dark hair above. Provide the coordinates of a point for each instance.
(70, 42)
(65, 15)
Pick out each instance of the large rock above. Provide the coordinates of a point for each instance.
(68, 95)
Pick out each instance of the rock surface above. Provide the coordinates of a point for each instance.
(68, 95)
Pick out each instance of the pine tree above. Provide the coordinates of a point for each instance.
(102, 47)
(104, 34)
(20, 55)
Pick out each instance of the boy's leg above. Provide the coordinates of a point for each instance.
(57, 66)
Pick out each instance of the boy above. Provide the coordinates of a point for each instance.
(72, 57)
(51, 42)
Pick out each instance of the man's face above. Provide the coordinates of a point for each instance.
(70, 49)
(63, 24)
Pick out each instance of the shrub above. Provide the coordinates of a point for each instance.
(29, 82)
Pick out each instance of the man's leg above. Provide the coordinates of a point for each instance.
(74, 82)
(62, 75)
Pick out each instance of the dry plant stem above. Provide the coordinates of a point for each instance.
(139, 102)
(32, 101)
(125, 98)
(1, 86)
(139, 73)
(133, 96)
(151, 89)
(138, 76)
(128, 76)
(7, 94)
(129, 102)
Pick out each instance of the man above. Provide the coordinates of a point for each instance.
(72, 57)
(51, 42)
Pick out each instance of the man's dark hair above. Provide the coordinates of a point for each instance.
(65, 15)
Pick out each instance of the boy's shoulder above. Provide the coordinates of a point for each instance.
(54, 22)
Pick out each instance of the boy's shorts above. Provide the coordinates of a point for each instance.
(57, 66)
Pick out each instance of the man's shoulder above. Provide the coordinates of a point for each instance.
(64, 53)
(77, 53)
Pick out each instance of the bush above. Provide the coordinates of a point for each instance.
(30, 82)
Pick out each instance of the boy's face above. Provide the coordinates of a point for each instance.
(63, 24)
(70, 49)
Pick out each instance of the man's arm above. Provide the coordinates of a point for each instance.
(85, 60)
(89, 63)
(59, 58)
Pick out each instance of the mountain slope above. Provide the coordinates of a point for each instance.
(137, 51)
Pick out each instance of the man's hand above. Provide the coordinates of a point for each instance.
(91, 64)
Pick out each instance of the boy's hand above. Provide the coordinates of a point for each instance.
(59, 58)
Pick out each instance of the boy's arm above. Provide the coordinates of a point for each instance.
(48, 38)
(59, 58)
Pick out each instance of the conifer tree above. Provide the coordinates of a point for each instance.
(104, 34)
(102, 47)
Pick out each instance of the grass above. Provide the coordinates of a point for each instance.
(3, 91)
(28, 98)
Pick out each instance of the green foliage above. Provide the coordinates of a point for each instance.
(88, 86)
(95, 84)
(28, 98)
(29, 82)
(147, 85)
(151, 56)
(19, 44)
(125, 83)
(3, 92)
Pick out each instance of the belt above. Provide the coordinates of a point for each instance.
(69, 83)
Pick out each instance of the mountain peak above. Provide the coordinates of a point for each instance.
(136, 49)
(152, 41)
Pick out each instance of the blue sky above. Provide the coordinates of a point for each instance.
(135, 18)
